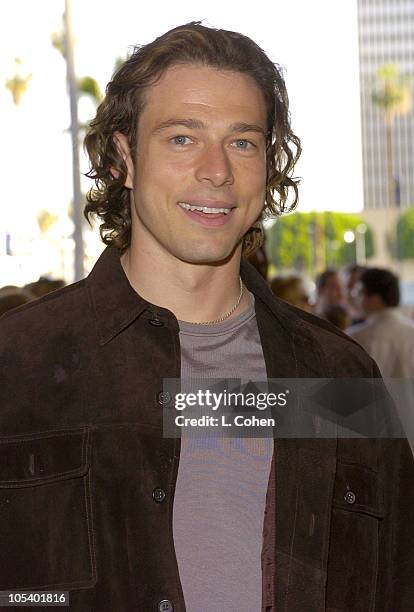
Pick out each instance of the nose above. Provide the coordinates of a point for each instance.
(214, 166)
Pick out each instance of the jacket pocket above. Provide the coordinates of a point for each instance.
(46, 530)
(353, 553)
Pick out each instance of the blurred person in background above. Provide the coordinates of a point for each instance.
(291, 289)
(8, 289)
(329, 292)
(12, 297)
(350, 276)
(388, 337)
(44, 285)
(386, 334)
(338, 316)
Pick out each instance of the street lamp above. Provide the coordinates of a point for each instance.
(361, 258)
(349, 236)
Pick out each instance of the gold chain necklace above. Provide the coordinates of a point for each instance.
(230, 312)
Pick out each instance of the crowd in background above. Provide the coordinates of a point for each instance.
(12, 296)
(363, 302)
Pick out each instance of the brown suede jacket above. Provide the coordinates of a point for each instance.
(87, 480)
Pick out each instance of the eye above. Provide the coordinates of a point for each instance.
(180, 140)
(243, 144)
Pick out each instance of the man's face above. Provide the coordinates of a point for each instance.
(332, 293)
(350, 281)
(201, 143)
(365, 302)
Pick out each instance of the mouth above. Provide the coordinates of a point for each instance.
(207, 210)
(208, 214)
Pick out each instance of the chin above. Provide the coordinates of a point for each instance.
(206, 255)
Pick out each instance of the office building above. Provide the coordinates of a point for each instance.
(386, 36)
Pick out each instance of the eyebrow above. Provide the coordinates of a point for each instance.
(195, 124)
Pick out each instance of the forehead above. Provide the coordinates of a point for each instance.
(333, 280)
(202, 90)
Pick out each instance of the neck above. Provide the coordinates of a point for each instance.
(193, 292)
(377, 310)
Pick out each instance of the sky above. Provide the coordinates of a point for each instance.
(315, 42)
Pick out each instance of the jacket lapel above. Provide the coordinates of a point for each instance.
(298, 510)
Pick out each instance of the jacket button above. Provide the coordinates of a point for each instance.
(165, 606)
(158, 495)
(164, 397)
(156, 323)
(350, 497)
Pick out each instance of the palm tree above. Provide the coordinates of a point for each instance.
(46, 220)
(87, 85)
(392, 95)
(63, 42)
(17, 85)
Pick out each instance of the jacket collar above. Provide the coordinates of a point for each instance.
(116, 304)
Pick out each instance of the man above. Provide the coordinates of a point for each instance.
(386, 334)
(190, 147)
(351, 275)
(388, 337)
(329, 304)
(329, 291)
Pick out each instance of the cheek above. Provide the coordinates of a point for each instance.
(255, 180)
(153, 184)
(254, 186)
(164, 180)
(250, 179)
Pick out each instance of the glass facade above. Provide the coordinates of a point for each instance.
(386, 36)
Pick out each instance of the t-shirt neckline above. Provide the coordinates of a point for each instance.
(223, 327)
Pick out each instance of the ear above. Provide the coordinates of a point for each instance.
(121, 143)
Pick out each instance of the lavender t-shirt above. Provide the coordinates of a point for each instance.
(222, 482)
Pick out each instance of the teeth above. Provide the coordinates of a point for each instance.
(204, 209)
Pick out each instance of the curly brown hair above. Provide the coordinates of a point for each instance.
(192, 43)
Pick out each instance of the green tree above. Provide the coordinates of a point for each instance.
(309, 242)
(403, 246)
(87, 85)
